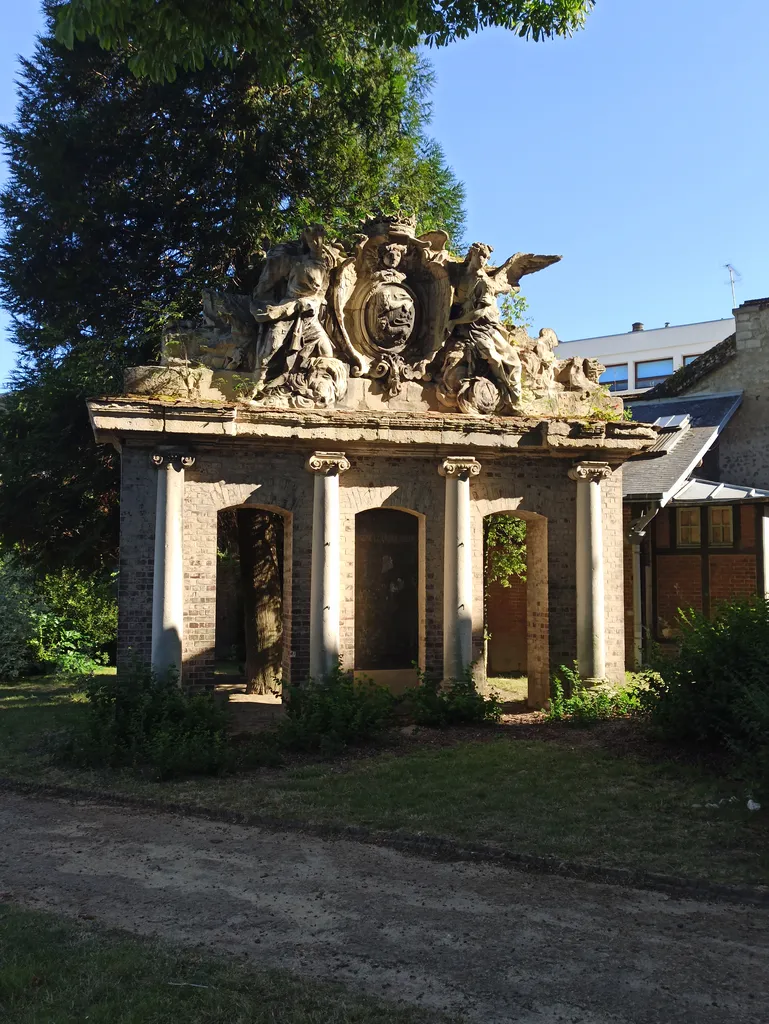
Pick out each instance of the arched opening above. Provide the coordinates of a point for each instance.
(388, 596)
(516, 625)
(253, 588)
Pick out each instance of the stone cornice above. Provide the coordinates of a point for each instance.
(156, 423)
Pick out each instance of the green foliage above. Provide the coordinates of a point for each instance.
(456, 703)
(148, 725)
(66, 622)
(125, 198)
(162, 35)
(514, 311)
(20, 609)
(571, 700)
(715, 691)
(505, 548)
(332, 713)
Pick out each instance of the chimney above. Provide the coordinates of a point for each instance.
(752, 324)
(638, 326)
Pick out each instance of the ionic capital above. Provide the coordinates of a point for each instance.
(594, 472)
(459, 466)
(328, 463)
(174, 460)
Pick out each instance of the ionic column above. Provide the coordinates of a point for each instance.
(326, 567)
(457, 566)
(168, 576)
(591, 638)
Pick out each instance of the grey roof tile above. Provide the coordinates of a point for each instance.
(659, 477)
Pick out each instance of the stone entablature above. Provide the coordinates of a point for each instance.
(113, 418)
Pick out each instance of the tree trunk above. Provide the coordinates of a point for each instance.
(260, 538)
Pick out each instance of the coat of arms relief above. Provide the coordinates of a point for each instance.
(391, 306)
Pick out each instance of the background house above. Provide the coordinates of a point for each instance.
(640, 359)
(697, 508)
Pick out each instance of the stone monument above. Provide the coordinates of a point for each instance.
(377, 374)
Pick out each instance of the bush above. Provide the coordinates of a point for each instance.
(147, 724)
(329, 714)
(64, 622)
(716, 689)
(456, 703)
(572, 700)
(20, 610)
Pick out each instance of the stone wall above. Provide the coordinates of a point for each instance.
(744, 445)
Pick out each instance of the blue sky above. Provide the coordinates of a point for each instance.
(638, 149)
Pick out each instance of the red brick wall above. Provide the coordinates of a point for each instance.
(679, 585)
(731, 576)
(506, 622)
(747, 515)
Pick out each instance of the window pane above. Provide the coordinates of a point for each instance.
(720, 526)
(615, 377)
(689, 359)
(652, 372)
(688, 520)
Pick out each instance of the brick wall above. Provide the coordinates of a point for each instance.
(227, 475)
(679, 585)
(731, 576)
(506, 620)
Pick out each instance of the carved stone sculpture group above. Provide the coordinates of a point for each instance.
(392, 307)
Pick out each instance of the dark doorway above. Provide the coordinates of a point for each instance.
(249, 597)
(386, 589)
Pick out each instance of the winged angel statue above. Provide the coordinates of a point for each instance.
(393, 307)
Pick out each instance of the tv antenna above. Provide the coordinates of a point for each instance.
(734, 275)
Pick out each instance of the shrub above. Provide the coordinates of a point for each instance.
(65, 622)
(456, 703)
(147, 724)
(716, 688)
(329, 714)
(20, 610)
(572, 700)
(81, 618)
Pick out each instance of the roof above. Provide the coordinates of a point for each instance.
(678, 453)
(700, 492)
(701, 329)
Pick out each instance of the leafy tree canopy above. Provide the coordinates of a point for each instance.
(164, 35)
(126, 197)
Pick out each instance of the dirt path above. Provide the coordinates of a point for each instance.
(492, 944)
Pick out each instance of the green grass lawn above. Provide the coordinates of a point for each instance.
(568, 795)
(56, 972)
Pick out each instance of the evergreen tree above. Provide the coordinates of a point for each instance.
(126, 197)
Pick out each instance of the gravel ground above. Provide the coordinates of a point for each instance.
(489, 943)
